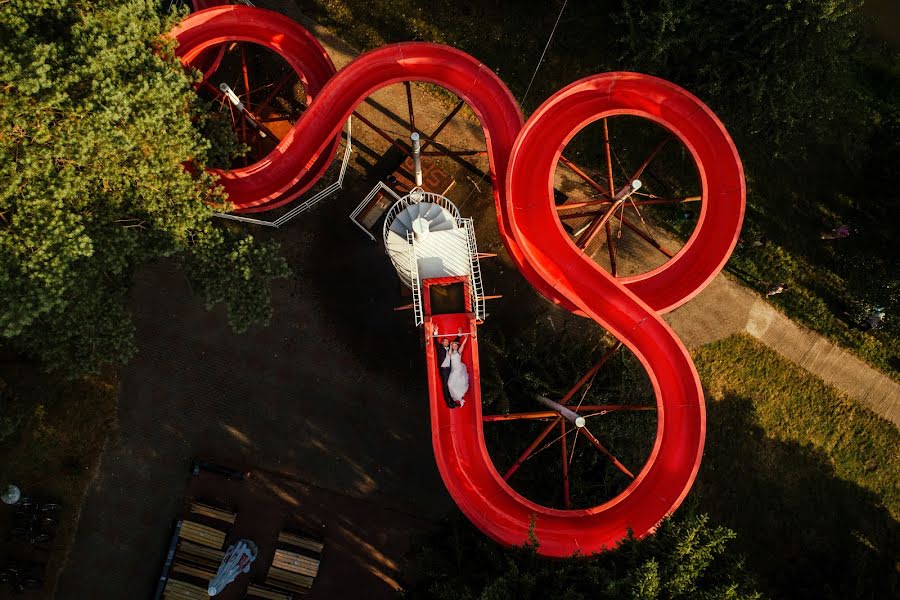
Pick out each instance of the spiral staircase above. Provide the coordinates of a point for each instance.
(426, 238)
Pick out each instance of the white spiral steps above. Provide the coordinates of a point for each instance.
(441, 249)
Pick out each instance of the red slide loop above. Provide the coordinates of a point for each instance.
(555, 123)
(522, 162)
(203, 33)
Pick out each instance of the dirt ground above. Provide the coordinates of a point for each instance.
(328, 395)
(331, 397)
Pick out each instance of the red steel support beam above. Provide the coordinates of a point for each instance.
(577, 170)
(536, 415)
(587, 209)
(653, 153)
(565, 464)
(379, 131)
(606, 452)
(565, 400)
(430, 138)
(246, 76)
(280, 85)
(454, 153)
(612, 407)
(612, 194)
(644, 236)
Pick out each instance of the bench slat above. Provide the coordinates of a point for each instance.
(182, 590)
(301, 542)
(195, 553)
(208, 536)
(199, 549)
(295, 557)
(261, 592)
(296, 567)
(280, 577)
(213, 512)
(292, 565)
(288, 555)
(186, 569)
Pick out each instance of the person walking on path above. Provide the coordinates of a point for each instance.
(838, 233)
(776, 289)
(875, 320)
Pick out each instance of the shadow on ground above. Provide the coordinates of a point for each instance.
(804, 532)
(331, 395)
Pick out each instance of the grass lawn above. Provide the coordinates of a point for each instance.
(808, 479)
(832, 285)
(51, 439)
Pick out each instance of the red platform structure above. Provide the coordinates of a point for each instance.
(522, 160)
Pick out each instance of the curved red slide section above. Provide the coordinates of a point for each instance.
(522, 162)
(201, 39)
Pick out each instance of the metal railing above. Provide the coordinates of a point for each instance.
(416, 195)
(310, 202)
(418, 309)
(477, 287)
(379, 187)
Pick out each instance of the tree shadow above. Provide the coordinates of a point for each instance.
(353, 282)
(805, 532)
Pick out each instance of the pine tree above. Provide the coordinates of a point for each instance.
(97, 121)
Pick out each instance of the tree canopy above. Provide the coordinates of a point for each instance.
(686, 558)
(783, 71)
(97, 122)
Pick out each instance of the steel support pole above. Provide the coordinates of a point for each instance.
(417, 158)
(565, 400)
(567, 413)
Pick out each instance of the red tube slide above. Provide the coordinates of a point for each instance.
(202, 37)
(522, 163)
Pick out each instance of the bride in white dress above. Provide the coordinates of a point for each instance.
(458, 382)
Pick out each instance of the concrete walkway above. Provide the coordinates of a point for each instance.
(315, 396)
(724, 308)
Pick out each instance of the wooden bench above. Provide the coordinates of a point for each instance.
(300, 541)
(180, 590)
(201, 534)
(297, 563)
(200, 555)
(198, 508)
(194, 571)
(258, 591)
(288, 580)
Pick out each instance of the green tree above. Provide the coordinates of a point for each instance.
(685, 558)
(778, 72)
(97, 121)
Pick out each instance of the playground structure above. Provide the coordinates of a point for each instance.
(522, 159)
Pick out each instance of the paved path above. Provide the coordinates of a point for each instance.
(317, 395)
(726, 307)
(330, 394)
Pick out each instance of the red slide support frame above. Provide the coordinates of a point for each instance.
(522, 161)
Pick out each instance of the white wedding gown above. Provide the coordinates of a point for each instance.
(458, 381)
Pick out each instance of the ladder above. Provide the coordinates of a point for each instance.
(477, 288)
(418, 310)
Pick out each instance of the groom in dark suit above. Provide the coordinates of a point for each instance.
(443, 349)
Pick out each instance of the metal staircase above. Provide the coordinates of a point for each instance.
(477, 288)
(418, 309)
